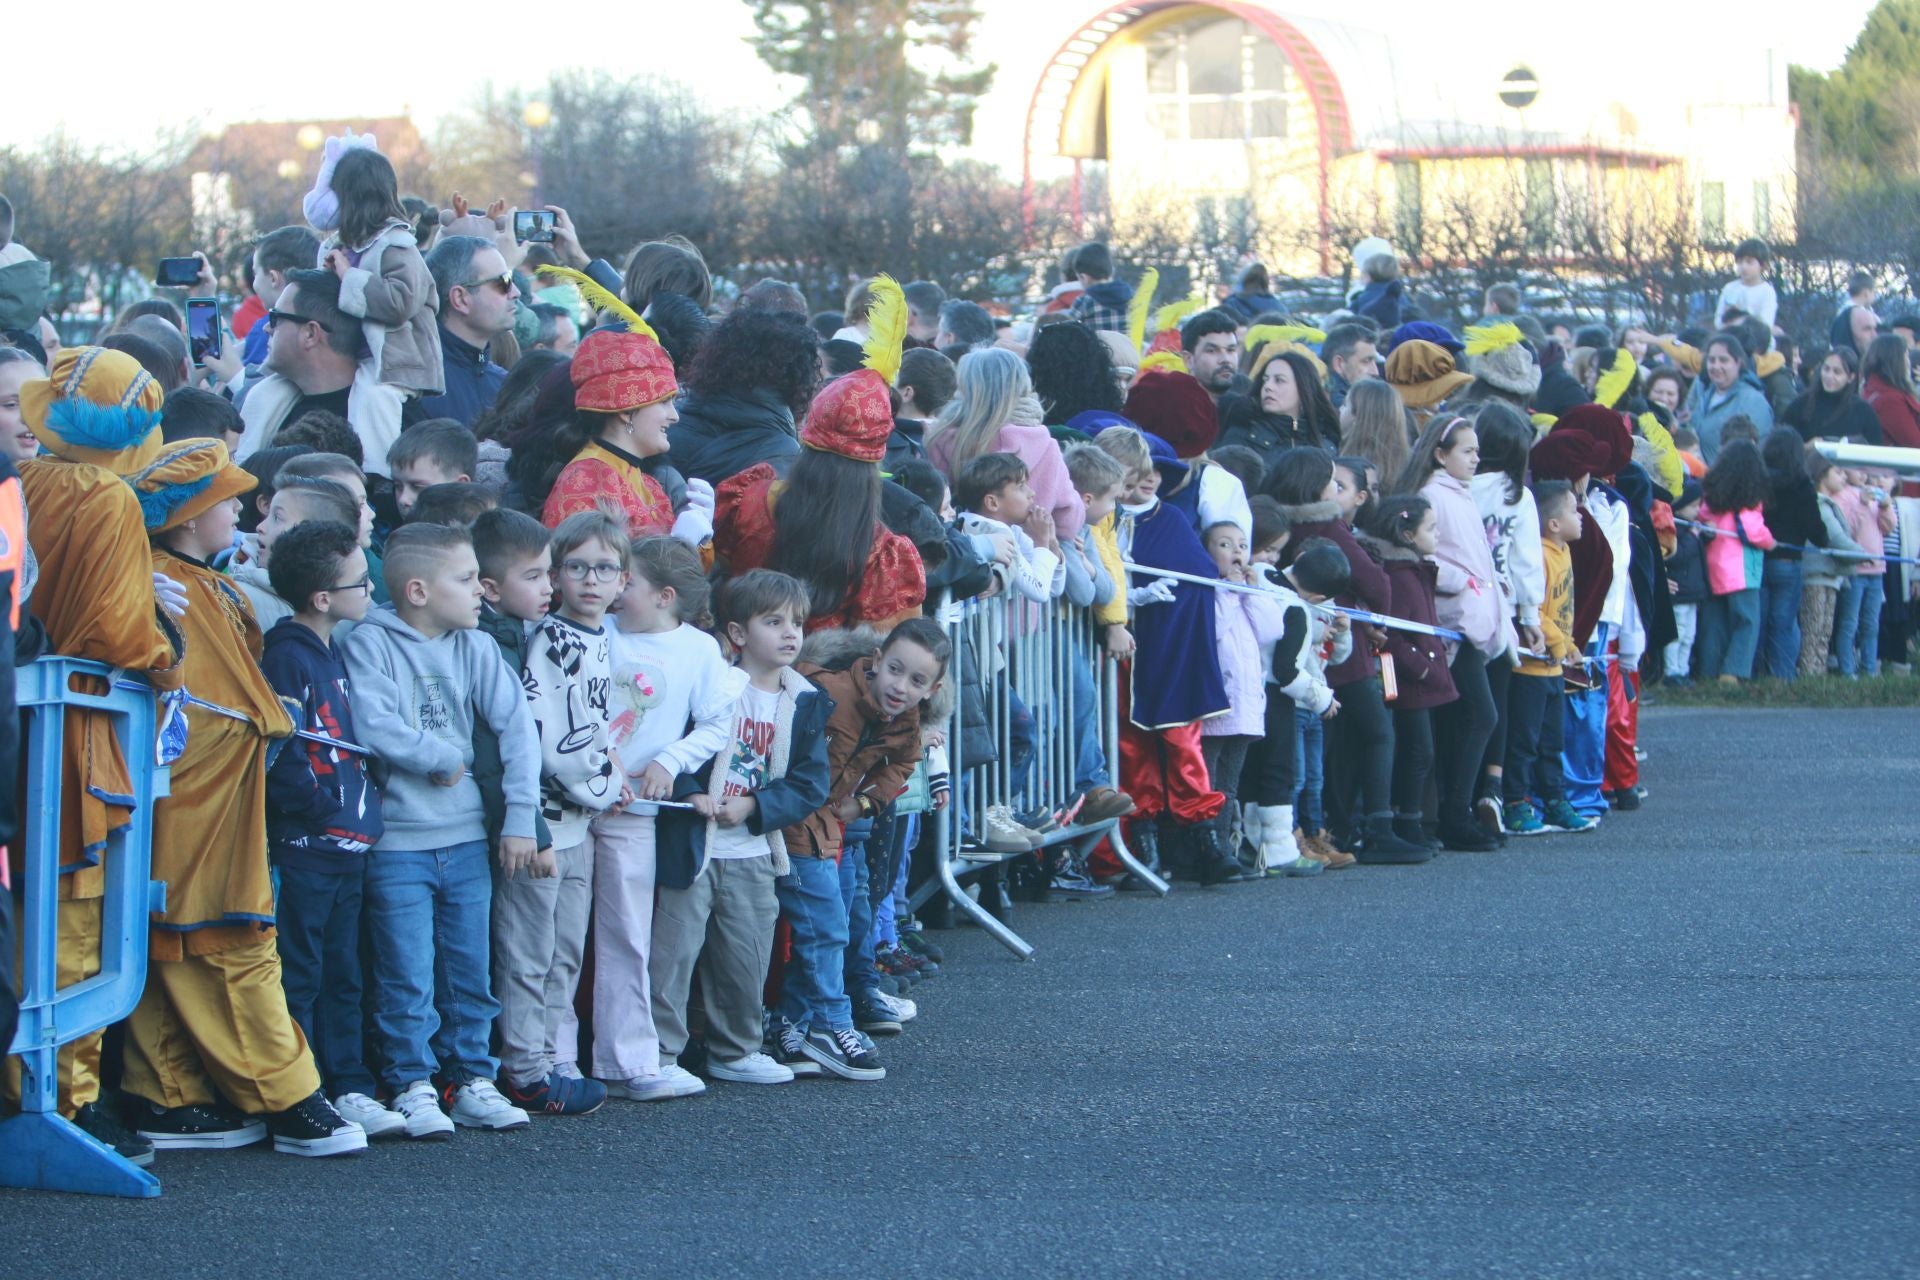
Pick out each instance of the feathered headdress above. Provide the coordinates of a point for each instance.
(1142, 304)
(1283, 333)
(1616, 381)
(886, 328)
(1170, 316)
(1163, 360)
(853, 415)
(1492, 337)
(602, 299)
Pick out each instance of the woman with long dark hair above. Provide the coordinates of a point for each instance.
(1287, 408)
(1072, 370)
(1886, 377)
(1831, 407)
(511, 411)
(747, 387)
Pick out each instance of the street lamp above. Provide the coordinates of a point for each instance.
(537, 115)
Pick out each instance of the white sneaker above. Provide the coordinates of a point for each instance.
(422, 1117)
(902, 1009)
(755, 1068)
(672, 1082)
(1004, 834)
(378, 1121)
(478, 1105)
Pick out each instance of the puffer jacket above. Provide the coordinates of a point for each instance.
(1243, 422)
(722, 435)
(1420, 666)
(393, 292)
(1470, 600)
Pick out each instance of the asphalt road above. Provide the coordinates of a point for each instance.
(1684, 1045)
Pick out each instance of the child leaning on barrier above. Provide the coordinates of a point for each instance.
(1094, 557)
(717, 905)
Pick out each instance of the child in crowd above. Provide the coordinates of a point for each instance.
(995, 499)
(346, 472)
(1856, 626)
(1352, 487)
(1735, 536)
(1824, 570)
(1536, 719)
(717, 866)
(516, 593)
(437, 451)
(1380, 300)
(296, 499)
(1405, 535)
(383, 278)
(1687, 441)
(323, 811)
(540, 911)
(1246, 625)
(461, 502)
(423, 677)
(673, 701)
(278, 253)
(212, 1031)
(873, 744)
(1687, 581)
(1748, 293)
(1100, 480)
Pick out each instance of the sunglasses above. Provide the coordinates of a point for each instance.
(294, 317)
(503, 282)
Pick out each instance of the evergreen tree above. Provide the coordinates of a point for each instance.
(1867, 112)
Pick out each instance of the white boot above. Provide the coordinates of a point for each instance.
(1277, 848)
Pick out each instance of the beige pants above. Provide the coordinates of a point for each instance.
(724, 921)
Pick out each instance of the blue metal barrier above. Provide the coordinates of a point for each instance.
(39, 1148)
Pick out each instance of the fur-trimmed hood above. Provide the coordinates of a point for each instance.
(1312, 512)
(1383, 551)
(837, 648)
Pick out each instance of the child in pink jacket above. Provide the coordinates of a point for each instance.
(1245, 625)
(1736, 537)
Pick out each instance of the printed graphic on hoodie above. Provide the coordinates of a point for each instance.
(432, 709)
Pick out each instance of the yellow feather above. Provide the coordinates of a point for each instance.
(1174, 312)
(601, 299)
(1491, 337)
(886, 327)
(1261, 334)
(1164, 360)
(1138, 308)
(1613, 384)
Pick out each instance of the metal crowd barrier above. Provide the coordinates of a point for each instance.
(1023, 656)
(39, 1148)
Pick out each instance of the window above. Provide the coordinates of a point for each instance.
(1762, 210)
(1713, 211)
(1215, 79)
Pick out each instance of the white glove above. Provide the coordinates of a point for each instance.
(700, 494)
(693, 526)
(1159, 591)
(171, 595)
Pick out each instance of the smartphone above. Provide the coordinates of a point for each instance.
(203, 329)
(532, 226)
(178, 273)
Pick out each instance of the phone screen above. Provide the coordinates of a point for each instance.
(178, 273)
(533, 226)
(203, 328)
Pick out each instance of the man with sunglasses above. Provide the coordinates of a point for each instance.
(317, 358)
(477, 297)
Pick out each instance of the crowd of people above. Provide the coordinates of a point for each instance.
(561, 641)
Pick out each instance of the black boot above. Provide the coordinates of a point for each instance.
(1176, 849)
(1411, 828)
(1462, 834)
(1213, 861)
(1382, 847)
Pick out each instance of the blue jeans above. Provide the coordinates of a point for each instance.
(1873, 600)
(317, 915)
(1089, 759)
(1780, 618)
(1309, 769)
(428, 910)
(1023, 744)
(856, 890)
(1856, 623)
(1729, 634)
(813, 990)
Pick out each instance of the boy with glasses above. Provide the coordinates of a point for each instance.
(323, 812)
(540, 912)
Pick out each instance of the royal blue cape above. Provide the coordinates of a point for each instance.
(1176, 667)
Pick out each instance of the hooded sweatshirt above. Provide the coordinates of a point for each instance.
(418, 702)
(1469, 599)
(323, 813)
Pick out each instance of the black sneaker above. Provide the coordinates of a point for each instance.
(786, 1046)
(314, 1128)
(209, 1128)
(917, 942)
(847, 1054)
(1625, 800)
(870, 1017)
(1466, 837)
(98, 1123)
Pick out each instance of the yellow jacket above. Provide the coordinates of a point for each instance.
(1556, 613)
(1106, 545)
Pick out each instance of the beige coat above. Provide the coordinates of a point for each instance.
(399, 306)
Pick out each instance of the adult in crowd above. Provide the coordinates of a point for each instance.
(1792, 516)
(1424, 374)
(1210, 344)
(671, 265)
(554, 329)
(1287, 408)
(1254, 297)
(1072, 371)
(314, 362)
(995, 410)
(477, 294)
(745, 389)
(1831, 407)
(511, 414)
(1887, 387)
(1351, 354)
(1727, 390)
(1374, 425)
(1854, 328)
(822, 524)
(11, 250)
(964, 326)
(1502, 301)
(924, 300)
(768, 294)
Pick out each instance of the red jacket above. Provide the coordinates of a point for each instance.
(1899, 413)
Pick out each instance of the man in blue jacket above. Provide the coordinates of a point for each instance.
(477, 294)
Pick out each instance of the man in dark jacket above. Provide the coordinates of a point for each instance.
(477, 294)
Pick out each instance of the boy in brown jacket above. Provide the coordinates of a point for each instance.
(873, 744)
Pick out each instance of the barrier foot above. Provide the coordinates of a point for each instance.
(980, 915)
(47, 1152)
(1133, 864)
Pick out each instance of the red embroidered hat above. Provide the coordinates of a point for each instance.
(853, 415)
(1175, 407)
(615, 370)
(1609, 431)
(1566, 455)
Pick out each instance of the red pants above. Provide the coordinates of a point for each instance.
(1164, 772)
(1623, 723)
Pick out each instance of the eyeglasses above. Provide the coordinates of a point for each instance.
(503, 282)
(294, 317)
(365, 584)
(580, 571)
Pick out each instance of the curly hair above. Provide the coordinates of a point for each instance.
(1072, 372)
(1737, 480)
(751, 350)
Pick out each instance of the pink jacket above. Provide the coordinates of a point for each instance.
(1244, 625)
(1053, 489)
(1468, 598)
(1868, 525)
(1726, 554)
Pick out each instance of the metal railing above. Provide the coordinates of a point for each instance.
(39, 1148)
(1034, 664)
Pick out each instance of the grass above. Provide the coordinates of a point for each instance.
(1827, 692)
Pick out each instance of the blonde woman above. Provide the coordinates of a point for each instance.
(994, 410)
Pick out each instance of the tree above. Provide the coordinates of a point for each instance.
(1867, 112)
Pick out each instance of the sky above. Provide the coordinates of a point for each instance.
(131, 83)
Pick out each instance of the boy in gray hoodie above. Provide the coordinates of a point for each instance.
(424, 677)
